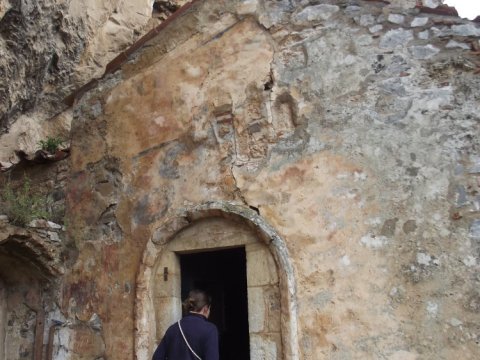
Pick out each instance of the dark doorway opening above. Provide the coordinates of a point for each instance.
(223, 274)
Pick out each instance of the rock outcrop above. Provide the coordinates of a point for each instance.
(52, 47)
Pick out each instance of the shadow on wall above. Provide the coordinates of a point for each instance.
(22, 302)
(3, 317)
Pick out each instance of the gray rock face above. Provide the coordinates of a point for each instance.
(49, 48)
(315, 13)
(424, 35)
(40, 47)
(466, 30)
(475, 230)
(452, 44)
(432, 3)
(396, 18)
(424, 52)
(419, 21)
(396, 38)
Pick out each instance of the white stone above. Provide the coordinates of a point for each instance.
(373, 242)
(261, 348)
(466, 30)
(475, 230)
(53, 225)
(432, 3)
(359, 176)
(455, 322)
(375, 28)
(395, 38)
(261, 269)
(424, 35)
(455, 44)
(345, 260)
(445, 31)
(53, 236)
(396, 18)
(316, 13)
(470, 261)
(424, 52)
(364, 40)
(419, 21)
(432, 308)
(256, 309)
(366, 20)
(423, 259)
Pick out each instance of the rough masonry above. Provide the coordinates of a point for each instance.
(350, 126)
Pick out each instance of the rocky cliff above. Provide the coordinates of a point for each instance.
(49, 48)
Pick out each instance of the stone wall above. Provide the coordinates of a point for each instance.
(351, 126)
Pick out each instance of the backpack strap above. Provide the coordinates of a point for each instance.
(186, 342)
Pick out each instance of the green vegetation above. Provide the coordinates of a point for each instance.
(22, 205)
(51, 144)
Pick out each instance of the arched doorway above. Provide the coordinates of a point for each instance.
(223, 274)
(212, 227)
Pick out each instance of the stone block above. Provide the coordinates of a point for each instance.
(475, 230)
(167, 285)
(170, 287)
(419, 21)
(396, 38)
(375, 28)
(466, 30)
(424, 35)
(261, 268)
(452, 44)
(432, 3)
(424, 52)
(256, 310)
(273, 308)
(396, 19)
(316, 13)
(210, 233)
(265, 347)
(167, 311)
(366, 20)
(85, 343)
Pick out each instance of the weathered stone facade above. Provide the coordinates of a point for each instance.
(338, 139)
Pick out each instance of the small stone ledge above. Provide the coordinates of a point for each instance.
(38, 157)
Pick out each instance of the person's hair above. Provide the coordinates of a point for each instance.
(196, 300)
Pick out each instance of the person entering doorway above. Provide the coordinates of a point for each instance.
(192, 337)
(223, 275)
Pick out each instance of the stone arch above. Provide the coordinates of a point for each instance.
(165, 231)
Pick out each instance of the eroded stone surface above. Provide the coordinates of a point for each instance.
(51, 48)
(355, 139)
(345, 138)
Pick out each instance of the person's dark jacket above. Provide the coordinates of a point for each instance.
(201, 335)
